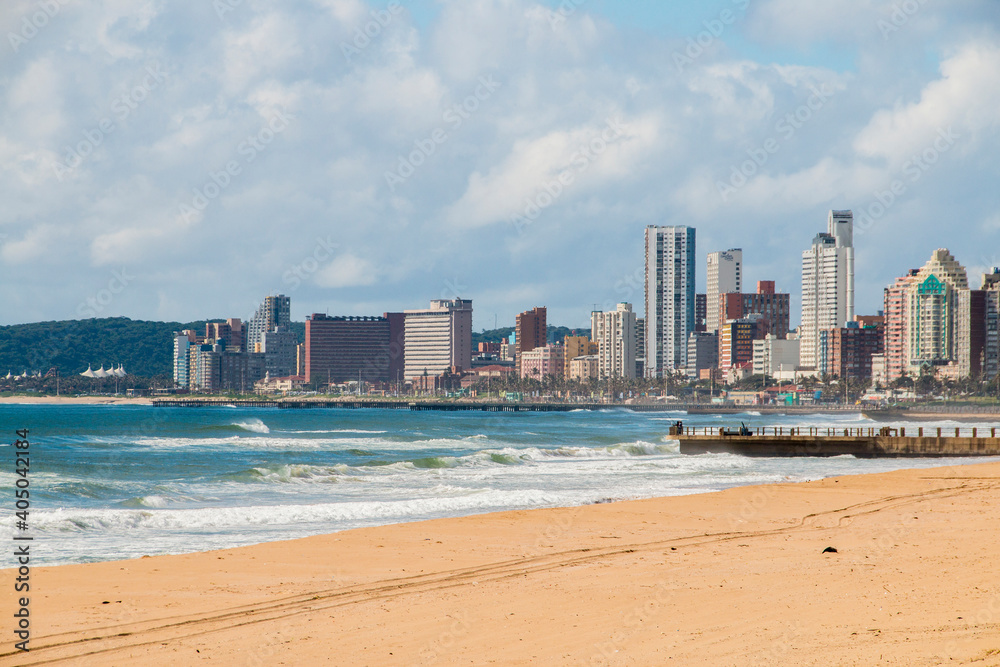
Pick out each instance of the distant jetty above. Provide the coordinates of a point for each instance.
(935, 412)
(498, 406)
(884, 442)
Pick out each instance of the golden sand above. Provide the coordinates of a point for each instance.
(738, 577)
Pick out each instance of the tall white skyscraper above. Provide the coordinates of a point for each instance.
(670, 262)
(614, 333)
(725, 274)
(827, 284)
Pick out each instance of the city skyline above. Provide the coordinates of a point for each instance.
(153, 151)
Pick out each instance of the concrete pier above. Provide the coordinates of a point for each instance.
(885, 442)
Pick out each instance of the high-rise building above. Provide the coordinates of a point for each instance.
(614, 333)
(934, 323)
(182, 366)
(827, 283)
(340, 349)
(640, 346)
(275, 311)
(397, 344)
(773, 307)
(670, 301)
(543, 362)
(438, 339)
(725, 275)
(532, 332)
(703, 353)
(206, 368)
(736, 339)
(991, 321)
(278, 346)
(219, 332)
(773, 356)
(700, 312)
(577, 346)
(238, 335)
(228, 333)
(584, 368)
(848, 350)
(897, 317)
(240, 371)
(941, 326)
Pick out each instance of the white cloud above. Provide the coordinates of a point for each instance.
(130, 18)
(347, 12)
(804, 23)
(36, 101)
(966, 98)
(270, 43)
(347, 271)
(33, 245)
(560, 82)
(558, 165)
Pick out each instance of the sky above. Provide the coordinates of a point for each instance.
(182, 160)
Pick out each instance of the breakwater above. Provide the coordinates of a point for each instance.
(884, 442)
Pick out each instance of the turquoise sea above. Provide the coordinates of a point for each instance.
(114, 482)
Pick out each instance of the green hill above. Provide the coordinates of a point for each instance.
(144, 348)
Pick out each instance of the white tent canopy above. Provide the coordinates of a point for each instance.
(100, 373)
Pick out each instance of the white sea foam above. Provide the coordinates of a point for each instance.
(359, 431)
(227, 518)
(253, 425)
(153, 501)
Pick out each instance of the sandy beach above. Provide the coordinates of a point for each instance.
(74, 400)
(738, 577)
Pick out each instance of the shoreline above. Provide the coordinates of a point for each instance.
(73, 400)
(697, 579)
(981, 416)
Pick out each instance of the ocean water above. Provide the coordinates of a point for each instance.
(114, 482)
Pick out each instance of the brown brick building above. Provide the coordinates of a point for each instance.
(339, 349)
(846, 352)
(532, 332)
